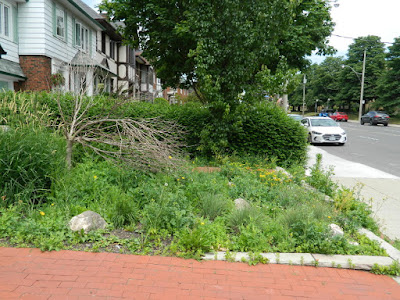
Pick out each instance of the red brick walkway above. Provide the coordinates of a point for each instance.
(31, 274)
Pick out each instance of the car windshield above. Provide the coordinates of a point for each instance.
(341, 113)
(296, 117)
(323, 123)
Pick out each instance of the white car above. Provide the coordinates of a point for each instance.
(324, 130)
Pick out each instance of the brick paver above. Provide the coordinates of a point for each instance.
(32, 274)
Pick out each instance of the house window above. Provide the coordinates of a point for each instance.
(112, 49)
(60, 23)
(4, 20)
(81, 37)
(103, 42)
(4, 86)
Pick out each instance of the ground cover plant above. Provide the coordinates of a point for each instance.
(184, 212)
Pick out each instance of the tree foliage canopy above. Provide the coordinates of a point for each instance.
(388, 86)
(218, 47)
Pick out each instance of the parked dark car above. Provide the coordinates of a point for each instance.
(375, 118)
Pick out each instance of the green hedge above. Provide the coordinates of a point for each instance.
(262, 129)
(266, 130)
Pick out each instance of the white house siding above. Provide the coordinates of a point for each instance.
(36, 31)
(11, 48)
(9, 43)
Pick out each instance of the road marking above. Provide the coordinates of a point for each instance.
(368, 138)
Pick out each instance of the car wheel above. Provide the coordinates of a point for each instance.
(386, 124)
(361, 122)
(309, 139)
(341, 144)
(371, 123)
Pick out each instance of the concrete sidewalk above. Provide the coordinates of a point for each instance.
(32, 274)
(379, 189)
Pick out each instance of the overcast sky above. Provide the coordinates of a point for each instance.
(355, 18)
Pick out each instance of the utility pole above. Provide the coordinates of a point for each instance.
(362, 87)
(304, 92)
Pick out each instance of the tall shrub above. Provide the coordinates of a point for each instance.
(265, 129)
(29, 158)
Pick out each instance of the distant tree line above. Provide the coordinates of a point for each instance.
(339, 79)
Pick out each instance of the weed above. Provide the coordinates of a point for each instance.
(392, 270)
(256, 258)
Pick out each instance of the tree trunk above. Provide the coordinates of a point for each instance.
(68, 157)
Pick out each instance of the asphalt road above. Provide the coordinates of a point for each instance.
(374, 146)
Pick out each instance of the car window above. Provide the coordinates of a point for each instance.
(304, 121)
(323, 123)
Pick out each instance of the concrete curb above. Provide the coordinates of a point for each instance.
(390, 125)
(355, 262)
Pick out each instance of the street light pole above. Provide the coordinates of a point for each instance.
(362, 83)
(304, 92)
(362, 88)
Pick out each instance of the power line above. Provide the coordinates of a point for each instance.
(353, 38)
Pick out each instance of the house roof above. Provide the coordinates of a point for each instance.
(110, 28)
(11, 68)
(82, 59)
(141, 59)
(87, 11)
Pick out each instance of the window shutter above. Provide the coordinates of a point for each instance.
(90, 43)
(54, 20)
(73, 32)
(66, 26)
(15, 24)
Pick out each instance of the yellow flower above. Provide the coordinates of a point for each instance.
(42, 213)
(329, 217)
(183, 177)
(202, 223)
(170, 157)
(52, 204)
(262, 176)
(95, 177)
(178, 179)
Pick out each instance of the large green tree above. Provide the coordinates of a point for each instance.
(351, 75)
(322, 84)
(218, 47)
(388, 87)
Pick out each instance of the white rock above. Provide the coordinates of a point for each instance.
(87, 221)
(336, 230)
(241, 204)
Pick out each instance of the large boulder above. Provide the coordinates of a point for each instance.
(88, 221)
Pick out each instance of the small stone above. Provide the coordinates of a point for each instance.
(354, 243)
(336, 230)
(282, 170)
(241, 204)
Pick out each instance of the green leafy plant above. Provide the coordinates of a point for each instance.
(321, 179)
(392, 270)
